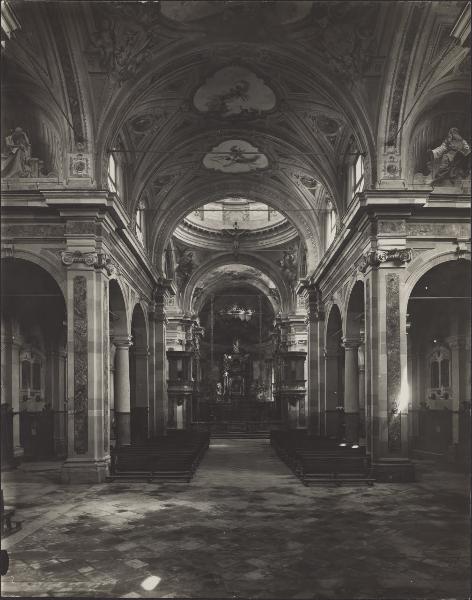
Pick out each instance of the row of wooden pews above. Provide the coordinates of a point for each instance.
(171, 458)
(322, 460)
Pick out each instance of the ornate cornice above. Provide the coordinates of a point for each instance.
(375, 258)
(98, 260)
(314, 305)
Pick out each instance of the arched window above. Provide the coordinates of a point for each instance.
(112, 174)
(357, 175)
(439, 369)
(115, 174)
(330, 224)
(31, 374)
(140, 222)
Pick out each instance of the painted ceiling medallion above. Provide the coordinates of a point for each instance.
(142, 124)
(234, 92)
(235, 156)
(211, 12)
(327, 125)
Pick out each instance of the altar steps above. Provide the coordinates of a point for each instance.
(243, 435)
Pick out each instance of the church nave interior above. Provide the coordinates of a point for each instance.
(235, 298)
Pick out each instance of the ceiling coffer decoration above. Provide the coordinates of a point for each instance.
(235, 156)
(234, 92)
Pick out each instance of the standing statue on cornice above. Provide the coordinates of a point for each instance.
(288, 266)
(185, 265)
(450, 160)
(17, 162)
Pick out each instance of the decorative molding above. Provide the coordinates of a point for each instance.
(375, 258)
(314, 305)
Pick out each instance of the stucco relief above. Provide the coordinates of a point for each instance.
(397, 227)
(234, 92)
(454, 230)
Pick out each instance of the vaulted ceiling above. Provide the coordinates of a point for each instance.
(209, 100)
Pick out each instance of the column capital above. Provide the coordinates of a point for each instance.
(97, 260)
(351, 343)
(374, 258)
(122, 341)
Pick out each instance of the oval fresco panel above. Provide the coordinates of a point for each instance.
(283, 12)
(235, 156)
(234, 92)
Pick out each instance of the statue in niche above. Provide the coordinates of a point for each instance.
(450, 162)
(17, 163)
(185, 265)
(236, 348)
(288, 265)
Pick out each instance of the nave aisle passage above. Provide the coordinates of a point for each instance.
(242, 462)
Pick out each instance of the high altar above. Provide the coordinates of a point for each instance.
(236, 374)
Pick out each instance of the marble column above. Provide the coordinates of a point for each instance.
(362, 403)
(141, 390)
(122, 390)
(159, 407)
(15, 398)
(314, 364)
(332, 396)
(457, 346)
(351, 389)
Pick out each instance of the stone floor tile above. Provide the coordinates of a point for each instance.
(244, 527)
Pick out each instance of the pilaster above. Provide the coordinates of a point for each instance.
(386, 365)
(87, 341)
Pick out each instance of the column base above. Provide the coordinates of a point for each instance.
(18, 452)
(85, 470)
(393, 471)
(123, 428)
(352, 427)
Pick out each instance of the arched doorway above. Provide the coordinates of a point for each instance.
(354, 366)
(334, 375)
(119, 384)
(34, 403)
(439, 361)
(138, 370)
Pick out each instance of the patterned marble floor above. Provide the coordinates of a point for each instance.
(243, 528)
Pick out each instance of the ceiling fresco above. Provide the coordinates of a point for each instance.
(234, 92)
(284, 12)
(235, 156)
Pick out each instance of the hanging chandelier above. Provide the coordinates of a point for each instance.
(237, 312)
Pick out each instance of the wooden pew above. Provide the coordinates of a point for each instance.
(171, 458)
(322, 460)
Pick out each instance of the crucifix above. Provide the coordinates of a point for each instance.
(236, 234)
